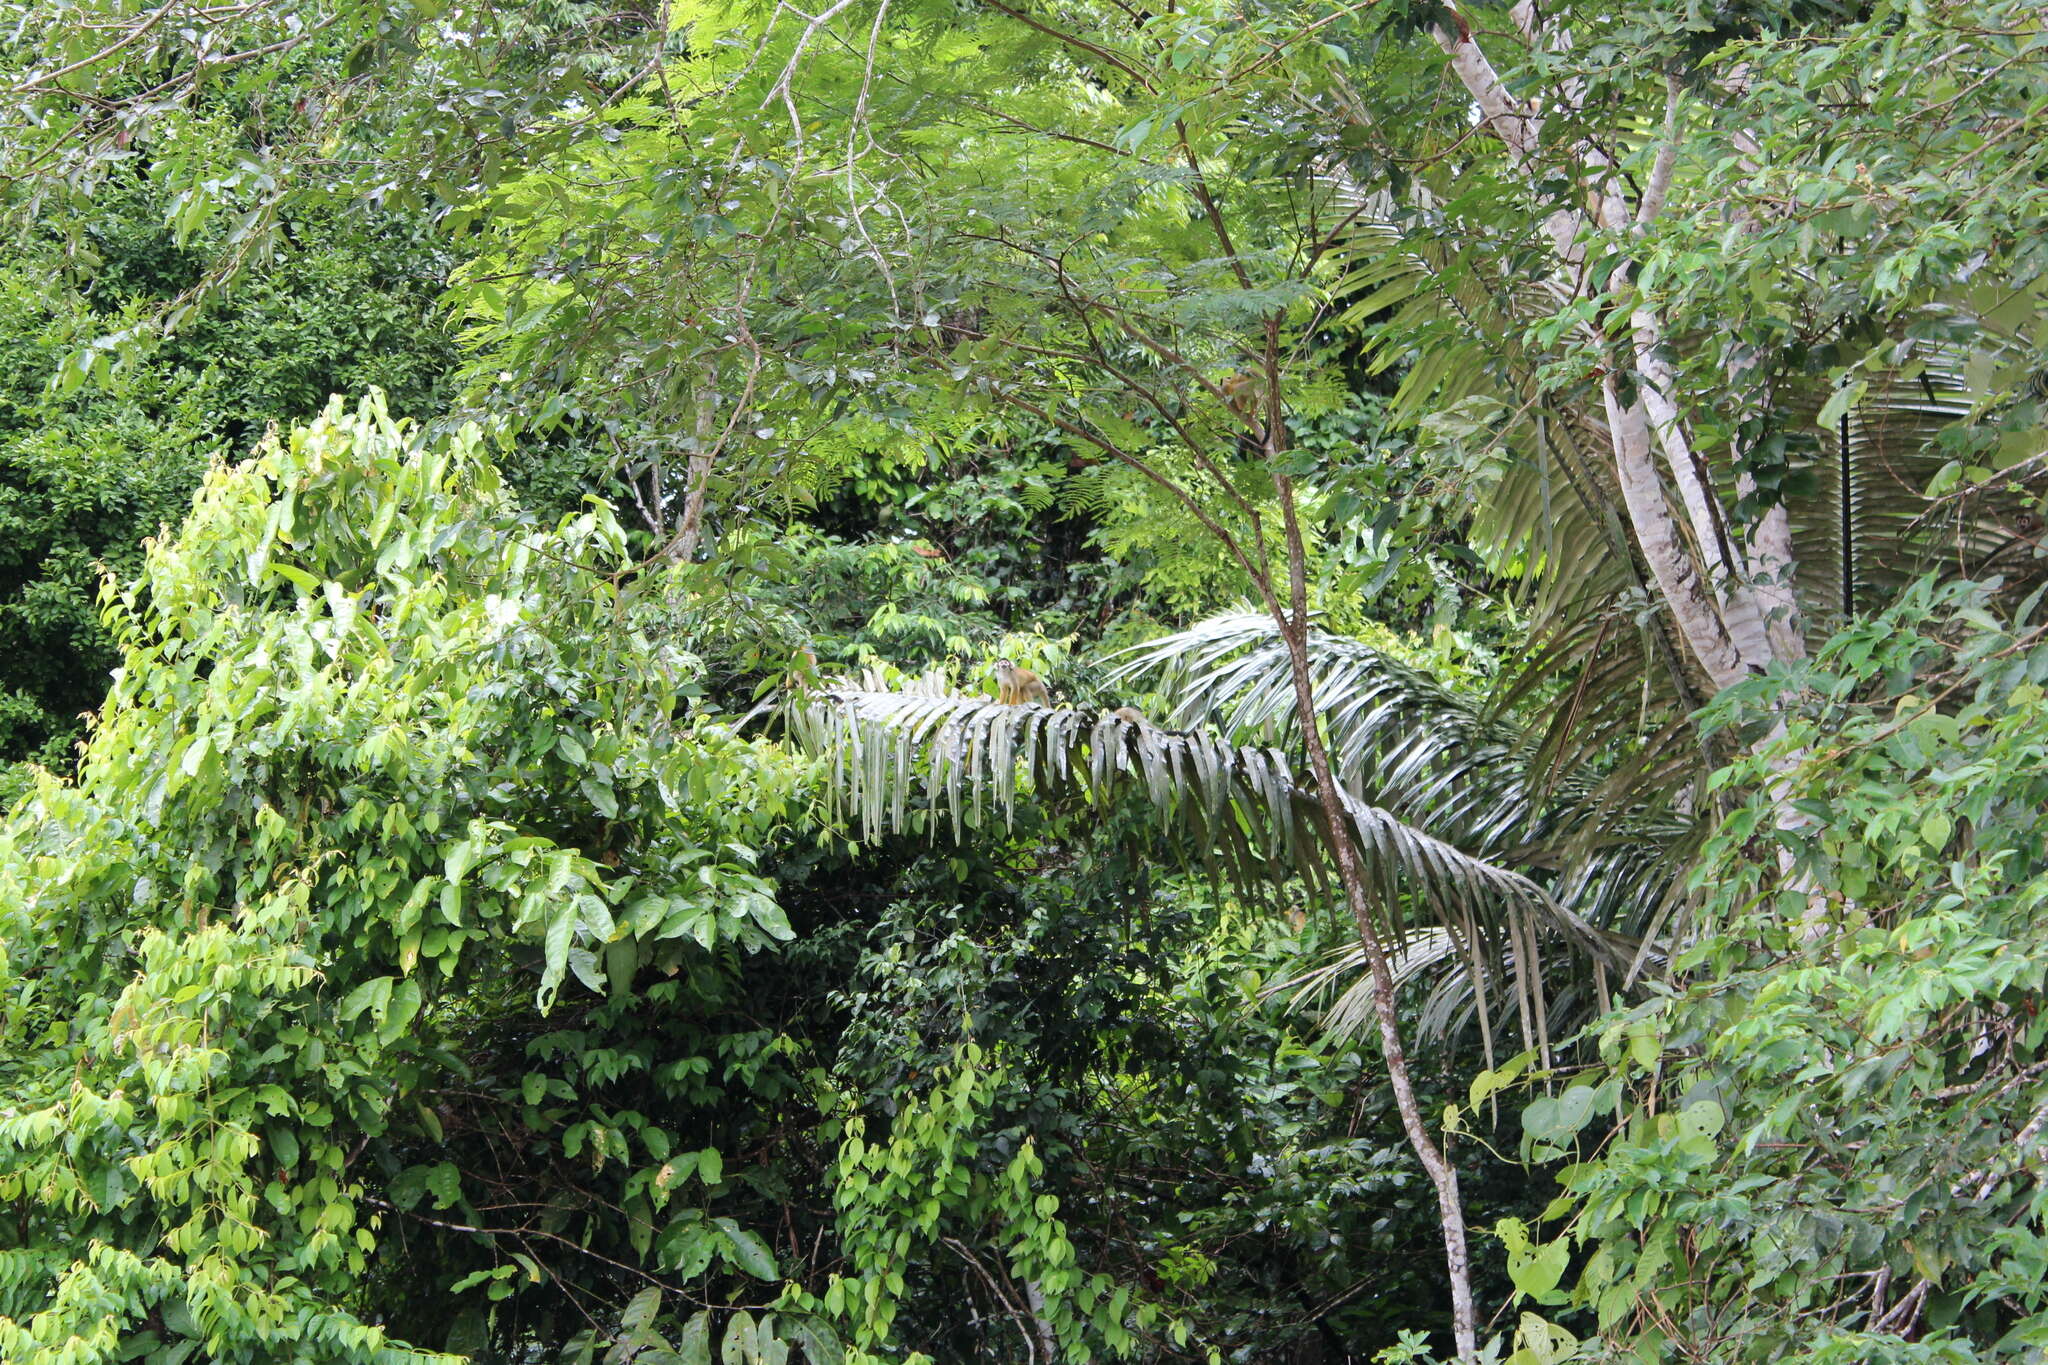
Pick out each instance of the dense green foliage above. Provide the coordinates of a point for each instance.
(1828, 1138)
(218, 1005)
(1530, 517)
(392, 734)
(340, 308)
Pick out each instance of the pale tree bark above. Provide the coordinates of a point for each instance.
(1733, 579)
(1772, 563)
(1657, 533)
(703, 454)
(1041, 1325)
(1733, 605)
(1726, 600)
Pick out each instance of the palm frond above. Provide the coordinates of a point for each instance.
(1338, 990)
(1436, 762)
(1385, 723)
(1871, 526)
(915, 762)
(1339, 987)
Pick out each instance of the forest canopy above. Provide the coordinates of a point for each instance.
(1022, 682)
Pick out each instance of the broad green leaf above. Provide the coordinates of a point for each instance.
(746, 1251)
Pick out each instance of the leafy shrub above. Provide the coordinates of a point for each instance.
(1831, 1130)
(385, 772)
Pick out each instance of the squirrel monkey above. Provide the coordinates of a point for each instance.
(1244, 393)
(1020, 686)
(803, 671)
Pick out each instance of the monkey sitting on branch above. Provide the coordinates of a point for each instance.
(1020, 686)
(1245, 395)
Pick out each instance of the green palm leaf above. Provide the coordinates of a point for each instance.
(1602, 673)
(1434, 761)
(920, 761)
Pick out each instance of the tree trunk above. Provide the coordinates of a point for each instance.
(689, 530)
(1735, 608)
(1442, 1174)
